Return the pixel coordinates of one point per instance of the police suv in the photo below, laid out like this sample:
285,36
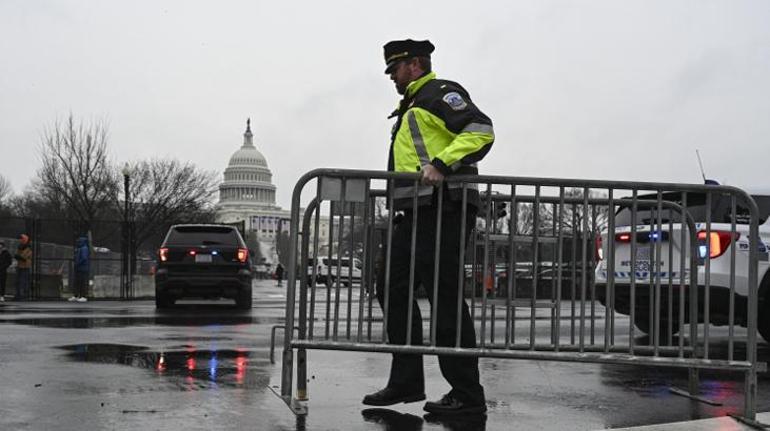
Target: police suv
713,245
203,261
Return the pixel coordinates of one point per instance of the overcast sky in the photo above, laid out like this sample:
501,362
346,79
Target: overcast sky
610,89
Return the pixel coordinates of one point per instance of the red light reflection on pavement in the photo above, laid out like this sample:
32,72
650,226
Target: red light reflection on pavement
161,363
240,368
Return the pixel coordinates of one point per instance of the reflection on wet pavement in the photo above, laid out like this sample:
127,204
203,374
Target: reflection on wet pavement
123,321
392,420
197,368
459,423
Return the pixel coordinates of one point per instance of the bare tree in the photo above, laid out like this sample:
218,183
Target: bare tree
5,189
30,204
575,216
167,191
6,197
75,169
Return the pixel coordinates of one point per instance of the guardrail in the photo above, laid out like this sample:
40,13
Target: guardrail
349,214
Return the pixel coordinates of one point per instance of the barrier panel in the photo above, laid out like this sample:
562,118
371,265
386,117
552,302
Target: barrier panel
609,272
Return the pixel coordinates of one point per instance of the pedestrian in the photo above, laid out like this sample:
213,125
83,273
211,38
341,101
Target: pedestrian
5,263
279,273
23,258
82,270
438,132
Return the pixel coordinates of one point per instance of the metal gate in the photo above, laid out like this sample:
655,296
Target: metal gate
543,270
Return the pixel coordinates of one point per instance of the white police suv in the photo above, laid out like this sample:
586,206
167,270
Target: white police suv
649,267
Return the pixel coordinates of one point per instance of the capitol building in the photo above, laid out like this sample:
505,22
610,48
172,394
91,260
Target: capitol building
247,197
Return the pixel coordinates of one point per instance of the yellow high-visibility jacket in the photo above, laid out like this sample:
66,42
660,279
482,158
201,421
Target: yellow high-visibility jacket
437,124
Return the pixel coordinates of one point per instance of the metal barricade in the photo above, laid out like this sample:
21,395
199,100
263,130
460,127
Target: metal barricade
568,274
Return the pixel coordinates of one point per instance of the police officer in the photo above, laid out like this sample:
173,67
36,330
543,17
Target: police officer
438,132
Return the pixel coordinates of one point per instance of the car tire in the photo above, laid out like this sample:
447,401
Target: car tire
244,301
163,301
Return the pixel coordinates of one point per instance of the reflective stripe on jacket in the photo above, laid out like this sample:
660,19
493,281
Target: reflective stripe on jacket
437,124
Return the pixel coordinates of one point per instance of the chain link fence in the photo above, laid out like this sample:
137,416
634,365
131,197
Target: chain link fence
119,267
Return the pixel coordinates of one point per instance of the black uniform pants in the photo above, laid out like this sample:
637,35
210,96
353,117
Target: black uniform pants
406,371
3,279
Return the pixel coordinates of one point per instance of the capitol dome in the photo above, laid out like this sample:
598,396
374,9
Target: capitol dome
248,182
248,156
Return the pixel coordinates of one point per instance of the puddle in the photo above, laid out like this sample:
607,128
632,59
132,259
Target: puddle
191,368
124,321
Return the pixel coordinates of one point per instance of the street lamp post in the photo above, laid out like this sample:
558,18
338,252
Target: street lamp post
127,279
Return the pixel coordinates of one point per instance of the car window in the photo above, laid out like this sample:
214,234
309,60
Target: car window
721,211
203,235
333,262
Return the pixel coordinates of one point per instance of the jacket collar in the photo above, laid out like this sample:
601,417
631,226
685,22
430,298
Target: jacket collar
415,85
411,90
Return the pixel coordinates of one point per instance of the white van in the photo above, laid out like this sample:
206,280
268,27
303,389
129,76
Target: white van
326,270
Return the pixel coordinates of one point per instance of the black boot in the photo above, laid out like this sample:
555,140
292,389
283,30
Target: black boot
449,405
389,396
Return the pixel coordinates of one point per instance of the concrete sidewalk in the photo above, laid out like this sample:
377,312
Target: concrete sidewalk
724,423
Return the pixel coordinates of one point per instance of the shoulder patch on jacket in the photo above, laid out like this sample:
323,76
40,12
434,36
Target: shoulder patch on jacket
455,101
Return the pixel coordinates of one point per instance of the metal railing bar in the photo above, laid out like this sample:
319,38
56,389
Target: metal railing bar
364,262
611,268
573,279
338,274
314,275
707,289
485,268
563,356
461,270
553,257
535,260
632,316
682,267
594,235
388,252
412,257
731,317
560,255
514,228
658,251
436,268
329,271
670,307
351,265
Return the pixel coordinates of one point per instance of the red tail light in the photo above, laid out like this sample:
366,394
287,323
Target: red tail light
598,253
243,254
718,242
623,237
163,254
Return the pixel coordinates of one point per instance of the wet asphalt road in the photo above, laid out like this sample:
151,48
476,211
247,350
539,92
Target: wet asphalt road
124,365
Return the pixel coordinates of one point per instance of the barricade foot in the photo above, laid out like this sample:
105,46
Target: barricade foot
750,422
296,406
683,393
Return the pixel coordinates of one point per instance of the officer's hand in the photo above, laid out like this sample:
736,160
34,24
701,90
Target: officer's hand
431,176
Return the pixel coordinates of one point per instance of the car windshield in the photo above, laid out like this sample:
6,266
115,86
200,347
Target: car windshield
721,210
202,235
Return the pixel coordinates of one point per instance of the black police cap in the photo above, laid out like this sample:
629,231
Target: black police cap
397,50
